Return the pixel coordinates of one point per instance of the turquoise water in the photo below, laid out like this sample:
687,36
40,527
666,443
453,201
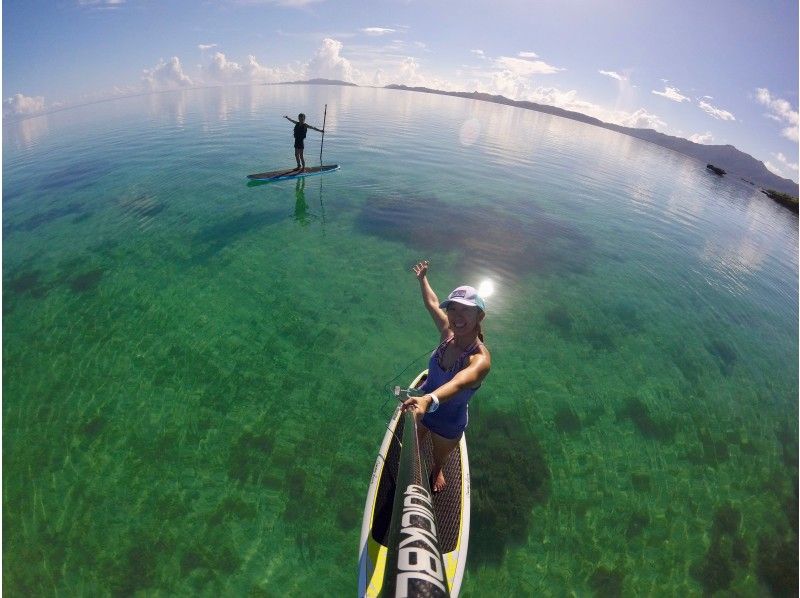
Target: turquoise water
193,368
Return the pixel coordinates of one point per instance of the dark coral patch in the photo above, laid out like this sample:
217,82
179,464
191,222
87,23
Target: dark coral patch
533,242
559,318
628,315
38,220
249,456
510,476
86,281
143,206
725,354
714,572
640,482
777,565
607,582
727,553
211,240
566,420
600,340
636,411
29,282
76,176
636,524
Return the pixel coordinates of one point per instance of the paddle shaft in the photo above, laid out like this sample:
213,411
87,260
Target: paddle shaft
324,116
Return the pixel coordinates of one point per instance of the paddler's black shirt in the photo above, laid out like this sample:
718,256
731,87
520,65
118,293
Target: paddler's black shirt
300,130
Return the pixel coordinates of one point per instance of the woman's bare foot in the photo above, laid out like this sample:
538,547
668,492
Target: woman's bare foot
437,481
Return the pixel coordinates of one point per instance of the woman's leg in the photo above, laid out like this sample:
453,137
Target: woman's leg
442,447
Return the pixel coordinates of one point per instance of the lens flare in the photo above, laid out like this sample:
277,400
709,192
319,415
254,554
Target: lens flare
470,131
486,289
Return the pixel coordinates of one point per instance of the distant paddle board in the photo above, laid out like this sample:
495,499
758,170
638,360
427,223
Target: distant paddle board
294,173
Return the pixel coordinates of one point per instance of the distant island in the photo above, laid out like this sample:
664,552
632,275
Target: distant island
782,198
726,157
723,156
317,82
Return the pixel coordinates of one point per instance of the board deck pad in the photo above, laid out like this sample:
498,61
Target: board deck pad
292,173
446,504
451,510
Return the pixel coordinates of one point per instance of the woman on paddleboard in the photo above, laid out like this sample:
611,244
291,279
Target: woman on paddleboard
300,130
455,370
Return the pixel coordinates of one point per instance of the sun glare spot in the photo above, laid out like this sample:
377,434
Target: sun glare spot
486,289
470,131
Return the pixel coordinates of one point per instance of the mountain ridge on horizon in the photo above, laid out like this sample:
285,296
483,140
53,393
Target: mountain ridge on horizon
727,157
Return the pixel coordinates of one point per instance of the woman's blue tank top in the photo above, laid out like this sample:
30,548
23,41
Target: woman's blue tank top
452,417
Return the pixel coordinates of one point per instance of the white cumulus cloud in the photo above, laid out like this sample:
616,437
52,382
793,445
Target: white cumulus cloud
328,64
223,70
703,138
715,112
166,75
20,105
528,55
642,119
785,161
781,111
261,74
671,93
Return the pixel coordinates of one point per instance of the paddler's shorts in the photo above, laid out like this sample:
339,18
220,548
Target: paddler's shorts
446,424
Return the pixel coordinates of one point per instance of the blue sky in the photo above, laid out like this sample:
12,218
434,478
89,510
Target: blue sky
714,71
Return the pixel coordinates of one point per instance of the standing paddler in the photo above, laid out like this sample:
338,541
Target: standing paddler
300,130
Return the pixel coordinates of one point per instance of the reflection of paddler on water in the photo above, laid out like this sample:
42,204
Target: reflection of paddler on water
300,130
455,371
300,205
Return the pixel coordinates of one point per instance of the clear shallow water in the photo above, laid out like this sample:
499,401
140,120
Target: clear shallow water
193,368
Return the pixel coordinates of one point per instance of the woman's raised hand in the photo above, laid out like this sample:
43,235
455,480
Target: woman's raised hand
420,269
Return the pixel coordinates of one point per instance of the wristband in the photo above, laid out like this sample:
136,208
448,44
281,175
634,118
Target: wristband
434,402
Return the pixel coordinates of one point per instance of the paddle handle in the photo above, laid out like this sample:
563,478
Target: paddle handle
323,134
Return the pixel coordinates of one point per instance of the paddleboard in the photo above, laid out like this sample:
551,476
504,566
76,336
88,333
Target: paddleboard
294,173
451,508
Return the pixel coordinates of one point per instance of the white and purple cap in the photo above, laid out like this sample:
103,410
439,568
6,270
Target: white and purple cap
465,295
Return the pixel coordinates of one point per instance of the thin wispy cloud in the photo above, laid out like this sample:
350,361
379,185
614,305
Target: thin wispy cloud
205,47
613,75
101,4
526,66
715,112
377,31
478,53
672,93
781,111
528,55
286,3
